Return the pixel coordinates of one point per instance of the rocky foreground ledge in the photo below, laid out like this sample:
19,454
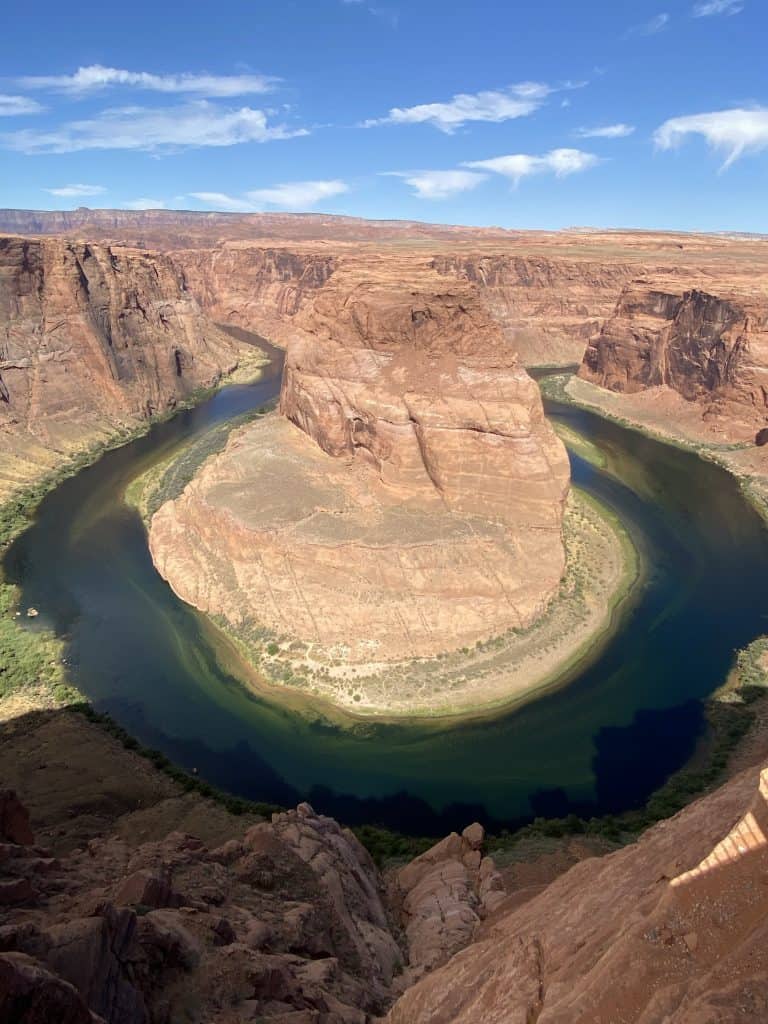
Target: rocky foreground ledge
289,921
119,913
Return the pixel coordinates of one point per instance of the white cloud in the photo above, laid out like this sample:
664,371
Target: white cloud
560,162
298,195
707,8
16,106
294,195
221,201
144,204
732,132
495,106
95,77
608,131
198,123
74,191
649,28
439,184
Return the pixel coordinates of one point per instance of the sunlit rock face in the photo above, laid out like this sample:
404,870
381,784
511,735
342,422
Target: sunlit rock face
671,928
91,337
427,488
710,347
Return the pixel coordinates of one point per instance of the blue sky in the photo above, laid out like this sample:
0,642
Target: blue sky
548,114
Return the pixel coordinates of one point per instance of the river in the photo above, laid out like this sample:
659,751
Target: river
600,744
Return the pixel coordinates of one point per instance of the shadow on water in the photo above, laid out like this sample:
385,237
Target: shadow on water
601,744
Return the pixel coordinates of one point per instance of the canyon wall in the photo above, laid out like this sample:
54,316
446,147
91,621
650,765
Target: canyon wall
260,289
711,347
93,337
548,307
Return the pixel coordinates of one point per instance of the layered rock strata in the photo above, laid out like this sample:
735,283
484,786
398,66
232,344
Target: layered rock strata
711,347
411,504
93,337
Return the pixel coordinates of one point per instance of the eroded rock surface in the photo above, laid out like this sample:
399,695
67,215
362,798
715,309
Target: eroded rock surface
285,922
92,338
417,507
672,928
708,344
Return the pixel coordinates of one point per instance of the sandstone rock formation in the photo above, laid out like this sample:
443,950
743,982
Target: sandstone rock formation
549,308
93,337
289,921
672,928
710,346
285,922
442,897
432,520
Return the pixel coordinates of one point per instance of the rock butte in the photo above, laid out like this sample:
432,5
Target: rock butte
416,509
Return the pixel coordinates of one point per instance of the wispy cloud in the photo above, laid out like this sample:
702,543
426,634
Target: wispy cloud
732,132
292,195
16,106
195,124
560,162
439,184
221,201
298,195
96,77
649,28
608,131
495,106
708,8
144,204
75,191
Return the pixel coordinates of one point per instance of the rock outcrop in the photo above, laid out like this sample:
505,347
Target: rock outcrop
443,895
417,507
93,337
284,922
672,928
548,307
289,921
709,346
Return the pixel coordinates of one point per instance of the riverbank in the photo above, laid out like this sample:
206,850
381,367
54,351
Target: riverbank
340,743
503,671
33,674
649,412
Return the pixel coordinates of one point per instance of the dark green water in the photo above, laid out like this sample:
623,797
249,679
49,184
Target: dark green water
603,743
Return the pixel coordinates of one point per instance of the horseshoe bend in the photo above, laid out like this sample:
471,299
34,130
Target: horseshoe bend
405,503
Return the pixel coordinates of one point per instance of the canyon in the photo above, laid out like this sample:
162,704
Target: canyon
409,435
94,339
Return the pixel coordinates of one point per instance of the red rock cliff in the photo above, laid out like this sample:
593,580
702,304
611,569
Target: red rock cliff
92,337
712,348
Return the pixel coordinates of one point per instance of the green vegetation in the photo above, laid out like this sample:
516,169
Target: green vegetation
33,658
27,655
387,847
167,480
579,444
